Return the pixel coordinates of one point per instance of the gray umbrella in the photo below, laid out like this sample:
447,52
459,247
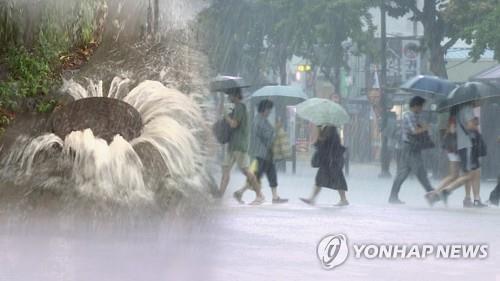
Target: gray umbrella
224,83
469,92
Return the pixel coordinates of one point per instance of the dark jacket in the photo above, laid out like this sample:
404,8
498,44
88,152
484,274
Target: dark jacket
331,150
331,161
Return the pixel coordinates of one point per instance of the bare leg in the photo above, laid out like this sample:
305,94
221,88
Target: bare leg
226,175
252,179
274,191
459,182
468,190
315,193
238,194
312,200
476,184
343,197
453,171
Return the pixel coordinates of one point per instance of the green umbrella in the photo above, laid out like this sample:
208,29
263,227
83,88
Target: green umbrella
322,112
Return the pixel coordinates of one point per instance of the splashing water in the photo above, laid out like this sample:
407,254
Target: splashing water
121,171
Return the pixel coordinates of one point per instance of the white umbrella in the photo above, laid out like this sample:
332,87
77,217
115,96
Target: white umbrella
323,112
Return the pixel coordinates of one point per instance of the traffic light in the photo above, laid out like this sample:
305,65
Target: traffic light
304,68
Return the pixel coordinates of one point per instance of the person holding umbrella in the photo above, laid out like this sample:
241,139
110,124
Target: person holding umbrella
329,155
414,136
450,146
261,145
470,145
470,149
329,158
238,146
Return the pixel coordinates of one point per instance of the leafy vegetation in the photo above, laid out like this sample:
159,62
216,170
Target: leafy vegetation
447,21
322,28
261,35
478,26
36,36
254,38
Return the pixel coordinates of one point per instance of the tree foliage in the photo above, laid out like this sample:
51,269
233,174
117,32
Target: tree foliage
234,32
447,21
477,23
437,28
263,35
333,24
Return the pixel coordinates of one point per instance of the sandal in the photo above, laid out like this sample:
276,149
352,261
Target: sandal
258,201
237,196
307,201
280,201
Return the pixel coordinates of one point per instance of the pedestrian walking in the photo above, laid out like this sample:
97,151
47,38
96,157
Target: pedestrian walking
329,158
449,144
471,147
415,139
390,132
237,147
261,148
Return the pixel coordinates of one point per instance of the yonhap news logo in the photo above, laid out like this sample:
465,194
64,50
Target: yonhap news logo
333,250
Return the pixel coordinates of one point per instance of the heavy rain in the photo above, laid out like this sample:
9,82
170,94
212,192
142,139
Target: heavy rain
249,140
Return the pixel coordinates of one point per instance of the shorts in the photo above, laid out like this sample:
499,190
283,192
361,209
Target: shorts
468,161
453,157
238,157
268,168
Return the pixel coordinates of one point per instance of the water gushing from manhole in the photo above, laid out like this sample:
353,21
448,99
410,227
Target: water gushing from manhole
161,153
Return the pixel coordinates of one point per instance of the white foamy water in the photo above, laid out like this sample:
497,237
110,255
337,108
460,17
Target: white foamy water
172,125
115,168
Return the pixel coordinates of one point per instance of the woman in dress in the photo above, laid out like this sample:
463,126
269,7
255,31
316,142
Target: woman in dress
330,159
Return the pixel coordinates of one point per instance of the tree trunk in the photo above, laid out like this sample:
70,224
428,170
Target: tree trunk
338,61
150,20
434,31
437,62
282,68
336,81
157,16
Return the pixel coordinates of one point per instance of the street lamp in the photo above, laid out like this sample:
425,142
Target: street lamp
384,156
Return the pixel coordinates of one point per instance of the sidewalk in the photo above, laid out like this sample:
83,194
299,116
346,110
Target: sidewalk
363,182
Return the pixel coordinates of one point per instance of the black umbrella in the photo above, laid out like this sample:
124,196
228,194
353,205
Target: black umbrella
426,84
224,83
469,92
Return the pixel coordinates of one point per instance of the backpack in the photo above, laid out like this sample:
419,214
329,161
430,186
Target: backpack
222,131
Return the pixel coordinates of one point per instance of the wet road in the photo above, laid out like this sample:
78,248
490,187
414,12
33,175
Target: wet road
241,242
270,241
